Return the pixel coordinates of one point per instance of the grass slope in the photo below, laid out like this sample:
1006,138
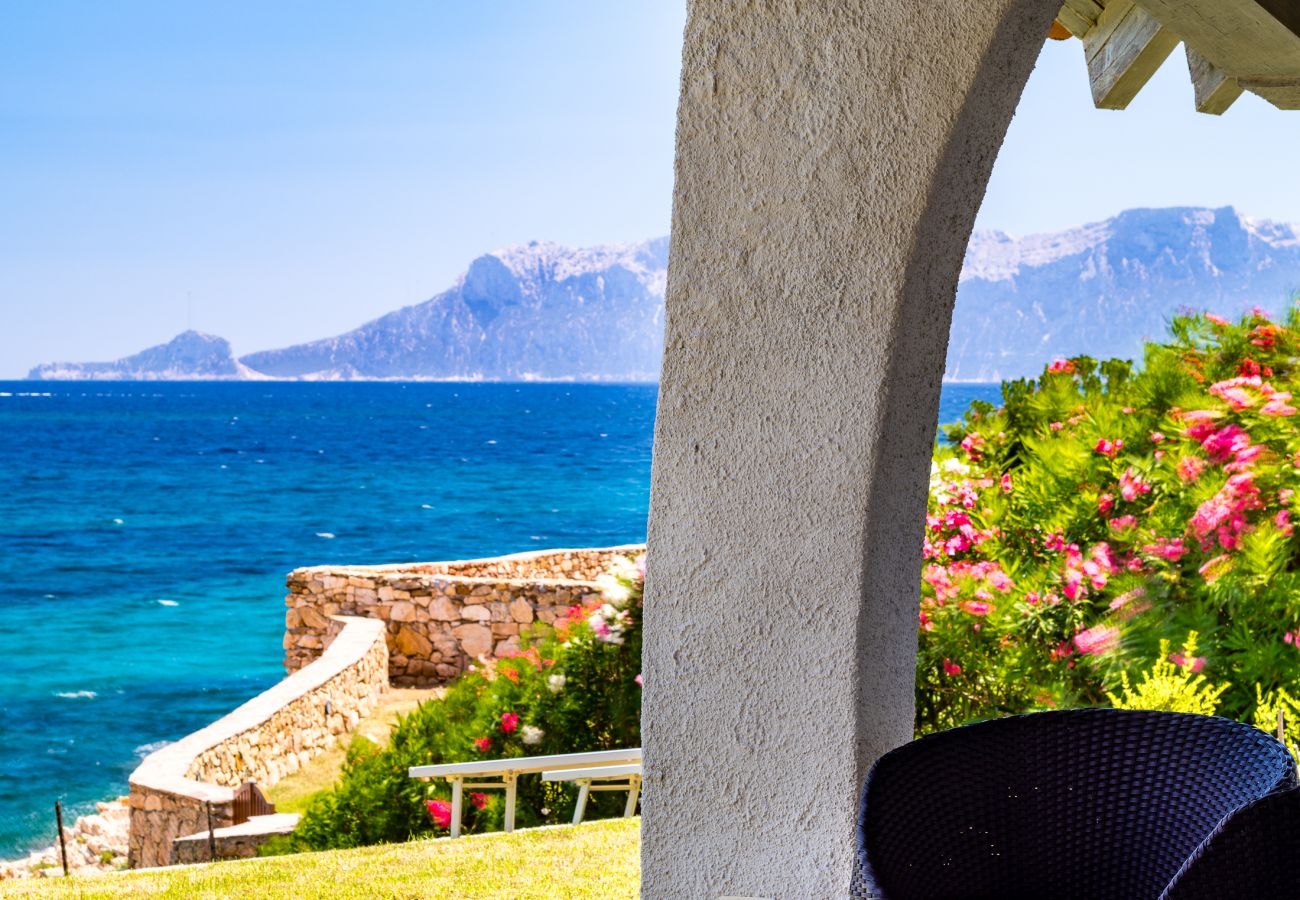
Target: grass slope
594,861
294,792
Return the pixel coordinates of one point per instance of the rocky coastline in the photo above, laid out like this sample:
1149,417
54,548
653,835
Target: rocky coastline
96,843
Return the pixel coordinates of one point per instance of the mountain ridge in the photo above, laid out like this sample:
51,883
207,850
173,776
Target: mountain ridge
542,311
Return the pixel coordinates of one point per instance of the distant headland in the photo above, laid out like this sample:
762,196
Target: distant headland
544,312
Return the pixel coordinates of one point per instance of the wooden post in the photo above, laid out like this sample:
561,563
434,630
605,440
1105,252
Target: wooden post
510,801
580,808
633,791
63,844
457,805
212,838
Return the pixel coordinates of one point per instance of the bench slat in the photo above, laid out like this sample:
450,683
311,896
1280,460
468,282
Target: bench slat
529,764
595,772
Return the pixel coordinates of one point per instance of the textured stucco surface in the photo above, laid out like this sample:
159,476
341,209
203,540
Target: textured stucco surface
831,157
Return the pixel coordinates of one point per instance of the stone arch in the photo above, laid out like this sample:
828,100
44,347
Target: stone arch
831,159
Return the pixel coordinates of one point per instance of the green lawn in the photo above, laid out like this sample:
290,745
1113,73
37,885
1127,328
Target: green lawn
594,861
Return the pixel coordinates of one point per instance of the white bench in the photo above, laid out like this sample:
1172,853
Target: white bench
585,779
508,771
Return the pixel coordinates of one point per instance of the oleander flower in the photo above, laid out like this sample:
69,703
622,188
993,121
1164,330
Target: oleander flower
509,722
555,683
531,735
440,812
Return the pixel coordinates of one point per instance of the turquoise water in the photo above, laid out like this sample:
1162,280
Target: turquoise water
147,528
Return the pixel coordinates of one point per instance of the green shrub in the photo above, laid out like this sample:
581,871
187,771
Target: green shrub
1100,513
1171,686
573,688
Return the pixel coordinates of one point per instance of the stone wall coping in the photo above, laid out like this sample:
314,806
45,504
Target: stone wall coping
412,569
275,823
166,769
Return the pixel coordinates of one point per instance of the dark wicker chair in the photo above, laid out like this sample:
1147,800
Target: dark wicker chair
1087,804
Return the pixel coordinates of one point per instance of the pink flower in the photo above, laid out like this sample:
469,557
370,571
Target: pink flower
1190,468
1289,638
1224,514
483,744
926,624
1123,523
1283,521
1131,485
972,444
638,679
1108,448
1056,426
1264,336
440,812
1181,661
1170,549
1217,320
1006,484
1225,443
977,607
1156,437
509,722
478,800
1097,640
951,668
1278,406
1233,391
1105,503
1215,568
1061,366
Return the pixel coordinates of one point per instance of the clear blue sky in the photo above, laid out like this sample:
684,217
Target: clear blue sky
276,172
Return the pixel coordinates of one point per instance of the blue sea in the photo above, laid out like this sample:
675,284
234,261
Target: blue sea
147,528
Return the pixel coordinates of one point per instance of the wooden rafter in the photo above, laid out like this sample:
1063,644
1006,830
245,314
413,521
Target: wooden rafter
1255,43
1215,91
1079,16
1124,49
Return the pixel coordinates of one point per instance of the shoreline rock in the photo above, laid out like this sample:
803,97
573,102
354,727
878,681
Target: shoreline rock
97,843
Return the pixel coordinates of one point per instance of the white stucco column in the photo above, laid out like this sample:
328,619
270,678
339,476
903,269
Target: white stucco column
831,157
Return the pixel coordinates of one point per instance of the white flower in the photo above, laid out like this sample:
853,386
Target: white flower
614,590
955,466
624,569
607,623
555,683
531,734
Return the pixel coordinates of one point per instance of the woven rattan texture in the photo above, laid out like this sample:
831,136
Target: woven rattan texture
1094,804
1254,853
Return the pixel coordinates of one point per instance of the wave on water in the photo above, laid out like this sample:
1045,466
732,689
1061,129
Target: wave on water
145,749
327,535
76,695
168,603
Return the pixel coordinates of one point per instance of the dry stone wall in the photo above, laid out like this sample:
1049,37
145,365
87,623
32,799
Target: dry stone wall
440,617
267,738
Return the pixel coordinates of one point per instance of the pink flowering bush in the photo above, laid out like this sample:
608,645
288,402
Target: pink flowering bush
572,688
1100,511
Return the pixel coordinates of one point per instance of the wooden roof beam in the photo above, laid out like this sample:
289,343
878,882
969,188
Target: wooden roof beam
1215,91
1123,51
1079,16
1254,42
